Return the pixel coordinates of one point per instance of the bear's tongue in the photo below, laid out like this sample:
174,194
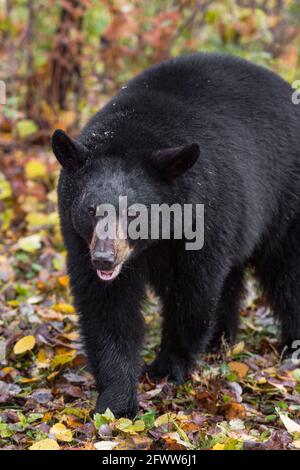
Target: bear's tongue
109,275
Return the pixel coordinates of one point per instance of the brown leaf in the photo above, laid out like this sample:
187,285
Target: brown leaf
235,410
239,368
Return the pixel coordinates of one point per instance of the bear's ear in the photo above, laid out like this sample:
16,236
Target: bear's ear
172,162
70,153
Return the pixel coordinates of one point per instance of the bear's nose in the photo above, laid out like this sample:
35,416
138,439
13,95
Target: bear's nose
103,260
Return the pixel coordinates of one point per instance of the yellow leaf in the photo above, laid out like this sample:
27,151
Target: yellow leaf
64,308
26,127
45,444
26,380
296,444
47,417
73,336
39,219
126,425
5,188
239,368
13,303
35,219
52,375
42,360
24,344
262,380
65,120
35,169
237,349
61,433
165,419
218,447
7,371
123,423
61,359
30,244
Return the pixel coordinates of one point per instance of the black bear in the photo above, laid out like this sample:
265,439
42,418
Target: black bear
201,129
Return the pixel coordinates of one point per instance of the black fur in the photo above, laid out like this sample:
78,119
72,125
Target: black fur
247,176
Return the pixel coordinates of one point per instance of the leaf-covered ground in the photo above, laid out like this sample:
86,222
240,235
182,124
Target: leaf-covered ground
244,398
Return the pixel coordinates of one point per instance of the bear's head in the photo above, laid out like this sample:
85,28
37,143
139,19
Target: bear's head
113,197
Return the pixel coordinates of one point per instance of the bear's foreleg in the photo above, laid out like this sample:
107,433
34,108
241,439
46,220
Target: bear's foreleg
112,328
189,318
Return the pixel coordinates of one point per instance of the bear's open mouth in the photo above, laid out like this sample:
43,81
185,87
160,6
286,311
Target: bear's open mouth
109,275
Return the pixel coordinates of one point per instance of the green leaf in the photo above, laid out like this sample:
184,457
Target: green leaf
148,419
100,419
26,127
5,431
5,188
34,417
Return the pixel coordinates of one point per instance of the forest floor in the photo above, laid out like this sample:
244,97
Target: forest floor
246,397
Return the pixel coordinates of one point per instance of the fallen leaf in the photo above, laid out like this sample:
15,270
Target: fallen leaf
73,422
73,336
64,308
61,359
290,425
42,396
35,169
239,368
63,281
45,444
24,344
173,437
39,219
28,380
26,127
237,349
61,433
2,350
236,424
72,390
5,188
218,446
104,418
296,444
165,419
31,243
126,425
105,445
6,270
235,410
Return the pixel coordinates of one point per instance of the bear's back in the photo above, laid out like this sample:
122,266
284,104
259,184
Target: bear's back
203,89
204,76
231,107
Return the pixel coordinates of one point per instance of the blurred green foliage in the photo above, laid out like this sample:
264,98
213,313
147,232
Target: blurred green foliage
61,59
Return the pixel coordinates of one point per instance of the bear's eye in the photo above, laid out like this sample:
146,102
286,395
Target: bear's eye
92,211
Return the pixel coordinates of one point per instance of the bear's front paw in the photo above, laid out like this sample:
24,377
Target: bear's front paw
120,405
174,368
